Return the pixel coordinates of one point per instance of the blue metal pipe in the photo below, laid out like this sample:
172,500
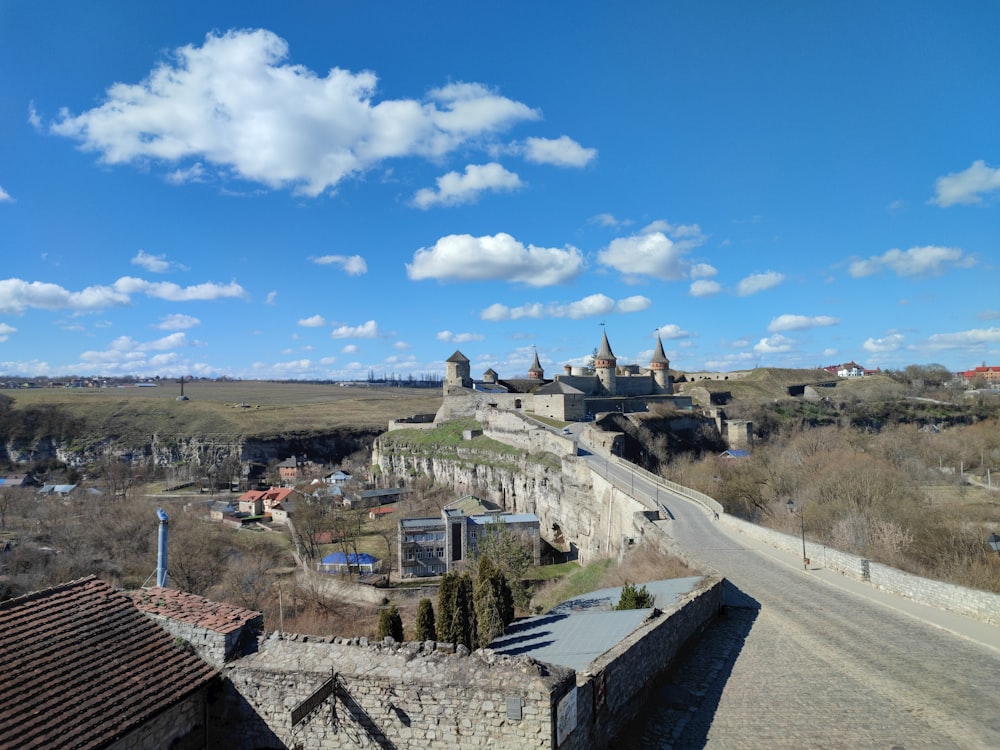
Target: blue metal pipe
161,558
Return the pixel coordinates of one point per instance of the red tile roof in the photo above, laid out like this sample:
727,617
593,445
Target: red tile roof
82,667
193,609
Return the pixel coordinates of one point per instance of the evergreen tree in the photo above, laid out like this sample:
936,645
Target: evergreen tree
425,621
491,594
446,608
465,612
390,624
510,556
634,598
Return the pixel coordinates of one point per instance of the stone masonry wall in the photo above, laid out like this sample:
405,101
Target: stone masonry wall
514,429
345,694
181,727
210,645
612,692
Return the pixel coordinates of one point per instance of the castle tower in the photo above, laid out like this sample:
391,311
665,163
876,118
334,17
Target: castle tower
605,363
660,367
535,372
458,372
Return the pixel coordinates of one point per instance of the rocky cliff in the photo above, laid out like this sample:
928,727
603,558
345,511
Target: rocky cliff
329,447
575,508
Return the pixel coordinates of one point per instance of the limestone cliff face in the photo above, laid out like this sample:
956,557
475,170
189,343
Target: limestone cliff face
571,506
173,451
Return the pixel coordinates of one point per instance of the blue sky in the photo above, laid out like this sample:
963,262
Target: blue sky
320,190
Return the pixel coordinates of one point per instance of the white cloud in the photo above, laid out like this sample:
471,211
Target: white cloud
561,152
608,220
704,288
350,349
971,339
367,330
889,343
800,322
235,103
315,321
17,295
194,173
589,306
458,338
498,312
6,331
178,322
659,250
967,186
454,189
328,360
776,344
154,263
702,271
672,331
400,345
592,304
174,293
5,196
462,257
989,315
929,260
271,298
636,303
758,282
126,355
352,265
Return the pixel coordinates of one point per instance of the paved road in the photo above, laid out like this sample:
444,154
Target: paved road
800,663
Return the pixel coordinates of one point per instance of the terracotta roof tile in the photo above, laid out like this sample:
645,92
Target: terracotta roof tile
193,609
84,646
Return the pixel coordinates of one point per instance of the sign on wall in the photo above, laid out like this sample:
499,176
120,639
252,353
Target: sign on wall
566,716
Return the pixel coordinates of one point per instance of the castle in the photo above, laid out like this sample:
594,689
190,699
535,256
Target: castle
572,396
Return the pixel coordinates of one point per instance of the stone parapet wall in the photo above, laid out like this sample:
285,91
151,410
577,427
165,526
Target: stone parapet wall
519,431
612,692
347,694
980,605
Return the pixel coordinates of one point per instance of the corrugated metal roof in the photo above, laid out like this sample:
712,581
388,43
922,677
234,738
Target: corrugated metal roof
578,631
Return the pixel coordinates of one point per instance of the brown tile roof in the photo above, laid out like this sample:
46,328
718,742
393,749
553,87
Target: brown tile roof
193,609
82,667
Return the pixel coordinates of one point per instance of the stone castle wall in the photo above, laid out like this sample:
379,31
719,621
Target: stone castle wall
347,694
334,693
515,429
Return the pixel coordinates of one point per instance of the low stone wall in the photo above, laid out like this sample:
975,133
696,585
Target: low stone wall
344,693
980,605
612,692
513,428
347,694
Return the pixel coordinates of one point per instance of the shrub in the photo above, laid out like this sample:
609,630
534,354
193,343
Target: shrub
634,598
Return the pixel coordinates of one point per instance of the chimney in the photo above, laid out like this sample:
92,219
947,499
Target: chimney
161,558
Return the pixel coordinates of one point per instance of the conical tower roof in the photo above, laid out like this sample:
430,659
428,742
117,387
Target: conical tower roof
457,357
659,358
536,366
605,351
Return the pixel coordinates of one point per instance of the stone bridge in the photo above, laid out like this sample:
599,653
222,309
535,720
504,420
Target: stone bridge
810,658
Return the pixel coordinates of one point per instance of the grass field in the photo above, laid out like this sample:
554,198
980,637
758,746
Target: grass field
254,408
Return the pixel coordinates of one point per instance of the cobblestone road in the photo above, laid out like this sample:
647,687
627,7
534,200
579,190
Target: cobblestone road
798,663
